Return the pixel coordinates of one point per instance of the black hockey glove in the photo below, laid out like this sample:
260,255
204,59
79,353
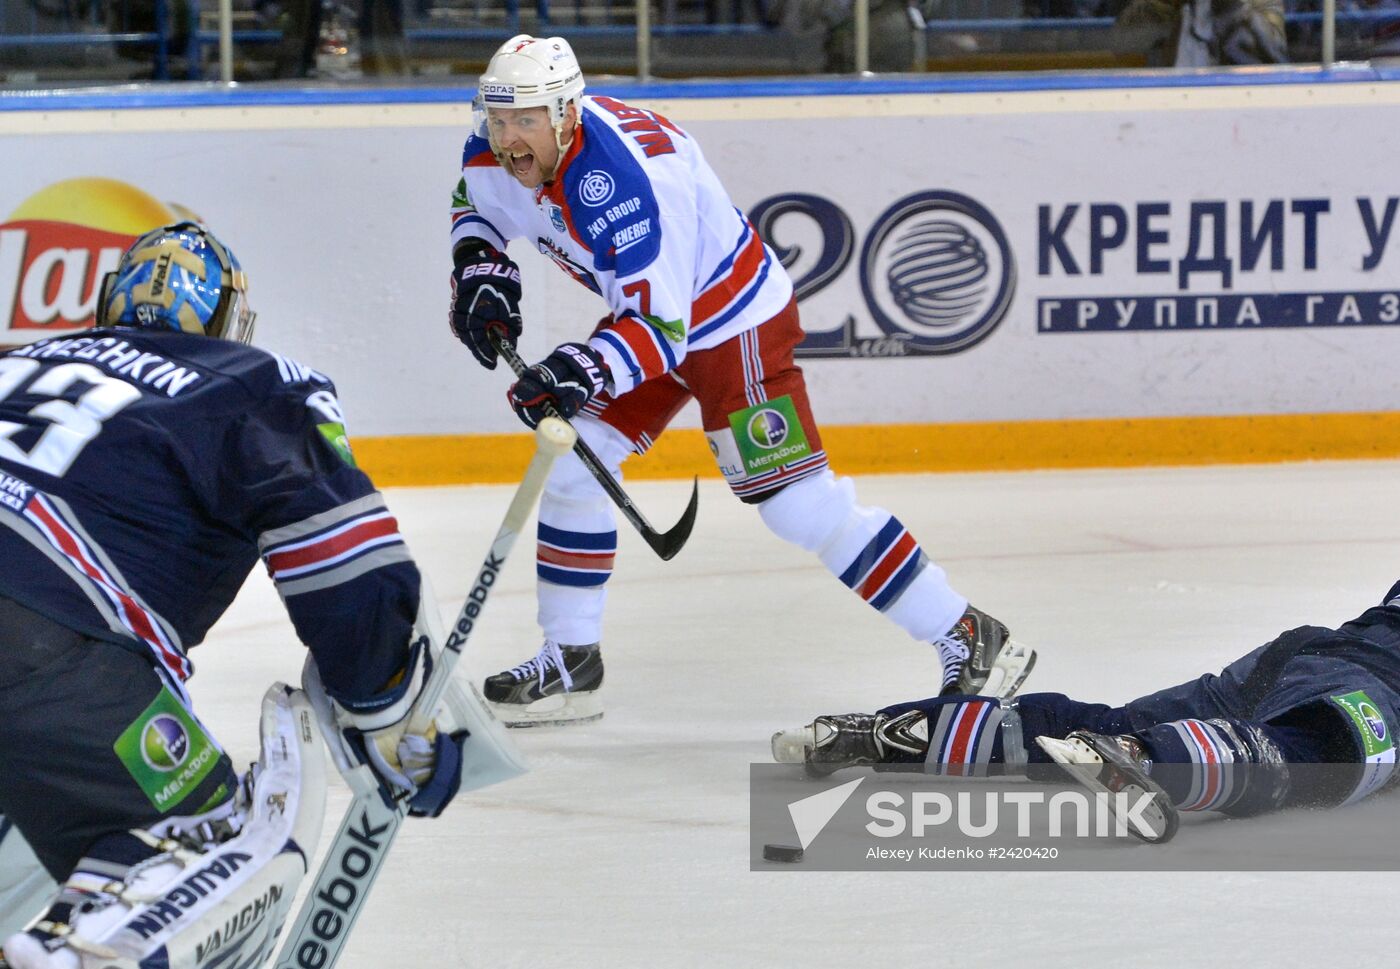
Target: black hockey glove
485,295
568,378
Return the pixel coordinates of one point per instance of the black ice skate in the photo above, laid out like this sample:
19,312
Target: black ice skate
980,658
560,685
1117,766
841,740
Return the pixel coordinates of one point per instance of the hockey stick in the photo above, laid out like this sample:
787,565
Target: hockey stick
357,853
664,544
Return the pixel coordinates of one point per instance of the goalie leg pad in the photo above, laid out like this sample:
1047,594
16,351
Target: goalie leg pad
222,902
24,885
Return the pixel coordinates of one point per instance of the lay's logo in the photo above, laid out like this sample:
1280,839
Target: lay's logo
56,246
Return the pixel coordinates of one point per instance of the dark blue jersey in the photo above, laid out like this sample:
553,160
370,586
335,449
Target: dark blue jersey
143,473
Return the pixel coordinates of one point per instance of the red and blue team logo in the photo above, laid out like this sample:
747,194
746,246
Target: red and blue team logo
164,743
556,216
768,428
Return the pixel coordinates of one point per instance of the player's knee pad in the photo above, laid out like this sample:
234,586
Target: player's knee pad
196,901
808,512
24,885
817,513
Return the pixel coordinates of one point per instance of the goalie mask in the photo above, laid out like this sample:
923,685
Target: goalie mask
529,72
178,277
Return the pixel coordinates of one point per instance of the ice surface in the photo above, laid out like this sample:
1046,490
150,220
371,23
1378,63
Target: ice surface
628,843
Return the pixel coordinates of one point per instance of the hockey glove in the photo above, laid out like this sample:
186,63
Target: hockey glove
485,296
425,768
567,379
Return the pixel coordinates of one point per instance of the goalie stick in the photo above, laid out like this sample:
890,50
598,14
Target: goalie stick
664,544
353,861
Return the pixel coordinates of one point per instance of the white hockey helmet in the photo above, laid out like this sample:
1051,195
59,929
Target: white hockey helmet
532,72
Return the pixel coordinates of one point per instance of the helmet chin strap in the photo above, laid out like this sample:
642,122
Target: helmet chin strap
563,147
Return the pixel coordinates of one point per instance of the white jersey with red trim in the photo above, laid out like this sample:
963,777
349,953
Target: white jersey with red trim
637,215
143,474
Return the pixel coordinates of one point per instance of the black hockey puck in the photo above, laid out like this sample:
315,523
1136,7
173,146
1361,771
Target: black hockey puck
782,853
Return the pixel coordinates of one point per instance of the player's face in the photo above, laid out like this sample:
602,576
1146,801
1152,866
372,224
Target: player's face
524,139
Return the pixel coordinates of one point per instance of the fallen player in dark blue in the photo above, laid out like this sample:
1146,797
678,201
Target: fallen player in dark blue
1315,696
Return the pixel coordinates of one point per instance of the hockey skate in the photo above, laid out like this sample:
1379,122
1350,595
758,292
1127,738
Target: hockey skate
560,685
1117,766
831,743
981,659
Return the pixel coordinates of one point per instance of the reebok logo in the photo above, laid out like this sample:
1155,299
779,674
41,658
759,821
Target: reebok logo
481,590
336,899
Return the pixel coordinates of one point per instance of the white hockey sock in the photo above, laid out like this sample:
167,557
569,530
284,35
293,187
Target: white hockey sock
577,540
869,551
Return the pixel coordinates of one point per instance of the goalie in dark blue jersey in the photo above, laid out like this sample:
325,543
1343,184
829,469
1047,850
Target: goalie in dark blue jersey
145,468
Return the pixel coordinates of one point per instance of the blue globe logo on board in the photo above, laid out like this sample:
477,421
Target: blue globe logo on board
164,743
1373,720
768,428
937,271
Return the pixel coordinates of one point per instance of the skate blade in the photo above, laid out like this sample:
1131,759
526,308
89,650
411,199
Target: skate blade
1159,820
1009,670
551,711
791,746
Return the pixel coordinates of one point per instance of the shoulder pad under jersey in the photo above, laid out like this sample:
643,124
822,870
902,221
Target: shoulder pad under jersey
477,153
613,202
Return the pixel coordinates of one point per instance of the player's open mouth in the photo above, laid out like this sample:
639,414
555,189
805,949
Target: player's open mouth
521,164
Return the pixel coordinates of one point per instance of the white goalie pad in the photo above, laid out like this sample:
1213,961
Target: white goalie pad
220,906
24,885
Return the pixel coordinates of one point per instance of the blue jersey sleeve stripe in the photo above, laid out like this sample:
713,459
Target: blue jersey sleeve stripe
739,304
728,260
624,350
463,221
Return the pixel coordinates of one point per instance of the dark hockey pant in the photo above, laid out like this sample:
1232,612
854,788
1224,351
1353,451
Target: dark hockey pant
92,743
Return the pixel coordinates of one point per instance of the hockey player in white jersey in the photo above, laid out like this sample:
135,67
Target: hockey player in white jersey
623,201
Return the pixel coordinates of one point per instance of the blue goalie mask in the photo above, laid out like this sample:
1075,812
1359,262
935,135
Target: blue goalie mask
178,277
